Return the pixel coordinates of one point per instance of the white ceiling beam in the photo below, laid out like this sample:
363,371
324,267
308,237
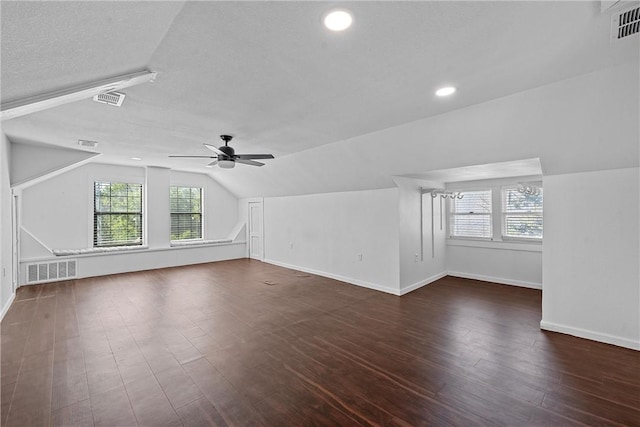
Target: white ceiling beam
21,107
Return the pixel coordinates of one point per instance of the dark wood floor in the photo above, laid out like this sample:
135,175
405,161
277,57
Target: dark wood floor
246,343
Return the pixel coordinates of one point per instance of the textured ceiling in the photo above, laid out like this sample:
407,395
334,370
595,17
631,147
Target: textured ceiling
270,74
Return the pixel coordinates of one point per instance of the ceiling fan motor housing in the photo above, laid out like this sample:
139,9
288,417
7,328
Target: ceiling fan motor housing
229,151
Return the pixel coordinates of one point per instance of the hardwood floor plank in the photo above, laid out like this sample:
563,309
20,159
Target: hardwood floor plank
112,408
213,344
150,405
178,386
78,414
200,413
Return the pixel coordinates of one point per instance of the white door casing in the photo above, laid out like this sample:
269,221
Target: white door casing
256,232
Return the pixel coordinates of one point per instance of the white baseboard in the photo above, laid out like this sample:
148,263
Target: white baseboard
500,280
590,335
7,305
350,280
422,283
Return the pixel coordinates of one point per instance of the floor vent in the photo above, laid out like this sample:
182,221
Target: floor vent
51,271
625,23
112,98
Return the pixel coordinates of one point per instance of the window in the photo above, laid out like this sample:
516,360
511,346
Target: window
186,213
471,215
117,214
522,212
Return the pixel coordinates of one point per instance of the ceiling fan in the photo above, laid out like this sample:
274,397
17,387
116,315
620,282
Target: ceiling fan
226,157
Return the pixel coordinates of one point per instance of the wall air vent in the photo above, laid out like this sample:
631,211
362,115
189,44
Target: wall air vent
51,271
625,23
112,98
89,144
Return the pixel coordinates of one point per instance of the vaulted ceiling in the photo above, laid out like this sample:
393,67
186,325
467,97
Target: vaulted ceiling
273,76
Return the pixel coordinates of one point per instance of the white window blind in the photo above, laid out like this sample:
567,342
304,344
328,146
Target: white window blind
186,213
117,214
521,214
471,215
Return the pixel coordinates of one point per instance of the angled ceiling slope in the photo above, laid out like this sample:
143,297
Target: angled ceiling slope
31,162
269,73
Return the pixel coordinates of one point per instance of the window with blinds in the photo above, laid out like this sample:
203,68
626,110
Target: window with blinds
186,213
471,215
521,214
117,214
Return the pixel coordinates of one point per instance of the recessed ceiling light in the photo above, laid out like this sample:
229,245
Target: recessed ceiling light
136,158
338,20
446,91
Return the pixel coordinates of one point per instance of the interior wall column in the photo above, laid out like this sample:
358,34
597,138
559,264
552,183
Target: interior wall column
157,213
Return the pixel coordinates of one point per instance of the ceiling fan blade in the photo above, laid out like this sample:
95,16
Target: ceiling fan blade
215,162
249,162
254,156
198,157
213,148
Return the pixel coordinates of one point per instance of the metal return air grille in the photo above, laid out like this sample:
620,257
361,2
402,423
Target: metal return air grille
112,98
51,271
625,23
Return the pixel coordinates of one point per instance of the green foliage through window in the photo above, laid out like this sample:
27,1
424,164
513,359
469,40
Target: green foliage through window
186,213
117,214
522,214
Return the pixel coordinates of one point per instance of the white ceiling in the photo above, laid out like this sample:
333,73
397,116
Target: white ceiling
270,74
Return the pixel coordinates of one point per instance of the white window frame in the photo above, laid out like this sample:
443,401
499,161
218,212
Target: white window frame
202,213
497,217
452,214
503,218
142,214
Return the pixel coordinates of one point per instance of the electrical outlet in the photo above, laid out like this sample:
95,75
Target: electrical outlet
416,258
359,257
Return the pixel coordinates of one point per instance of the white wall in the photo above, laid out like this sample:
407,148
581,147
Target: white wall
156,196
420,262
58,214
6,259
508,263
591,278
324,233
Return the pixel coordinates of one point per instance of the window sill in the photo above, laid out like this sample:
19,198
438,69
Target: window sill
497,244
109,249
182,243
92,252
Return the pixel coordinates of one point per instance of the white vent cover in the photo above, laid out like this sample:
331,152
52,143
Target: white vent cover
85,143
112,98
625,23
52,271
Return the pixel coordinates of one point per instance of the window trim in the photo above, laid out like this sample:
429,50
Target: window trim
450,208
497,214
94,215
503,217
202,214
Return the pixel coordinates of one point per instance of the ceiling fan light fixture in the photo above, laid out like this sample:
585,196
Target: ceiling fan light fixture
337,20
226,164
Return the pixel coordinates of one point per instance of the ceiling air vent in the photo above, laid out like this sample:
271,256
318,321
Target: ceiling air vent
625,23
111,98
85,143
